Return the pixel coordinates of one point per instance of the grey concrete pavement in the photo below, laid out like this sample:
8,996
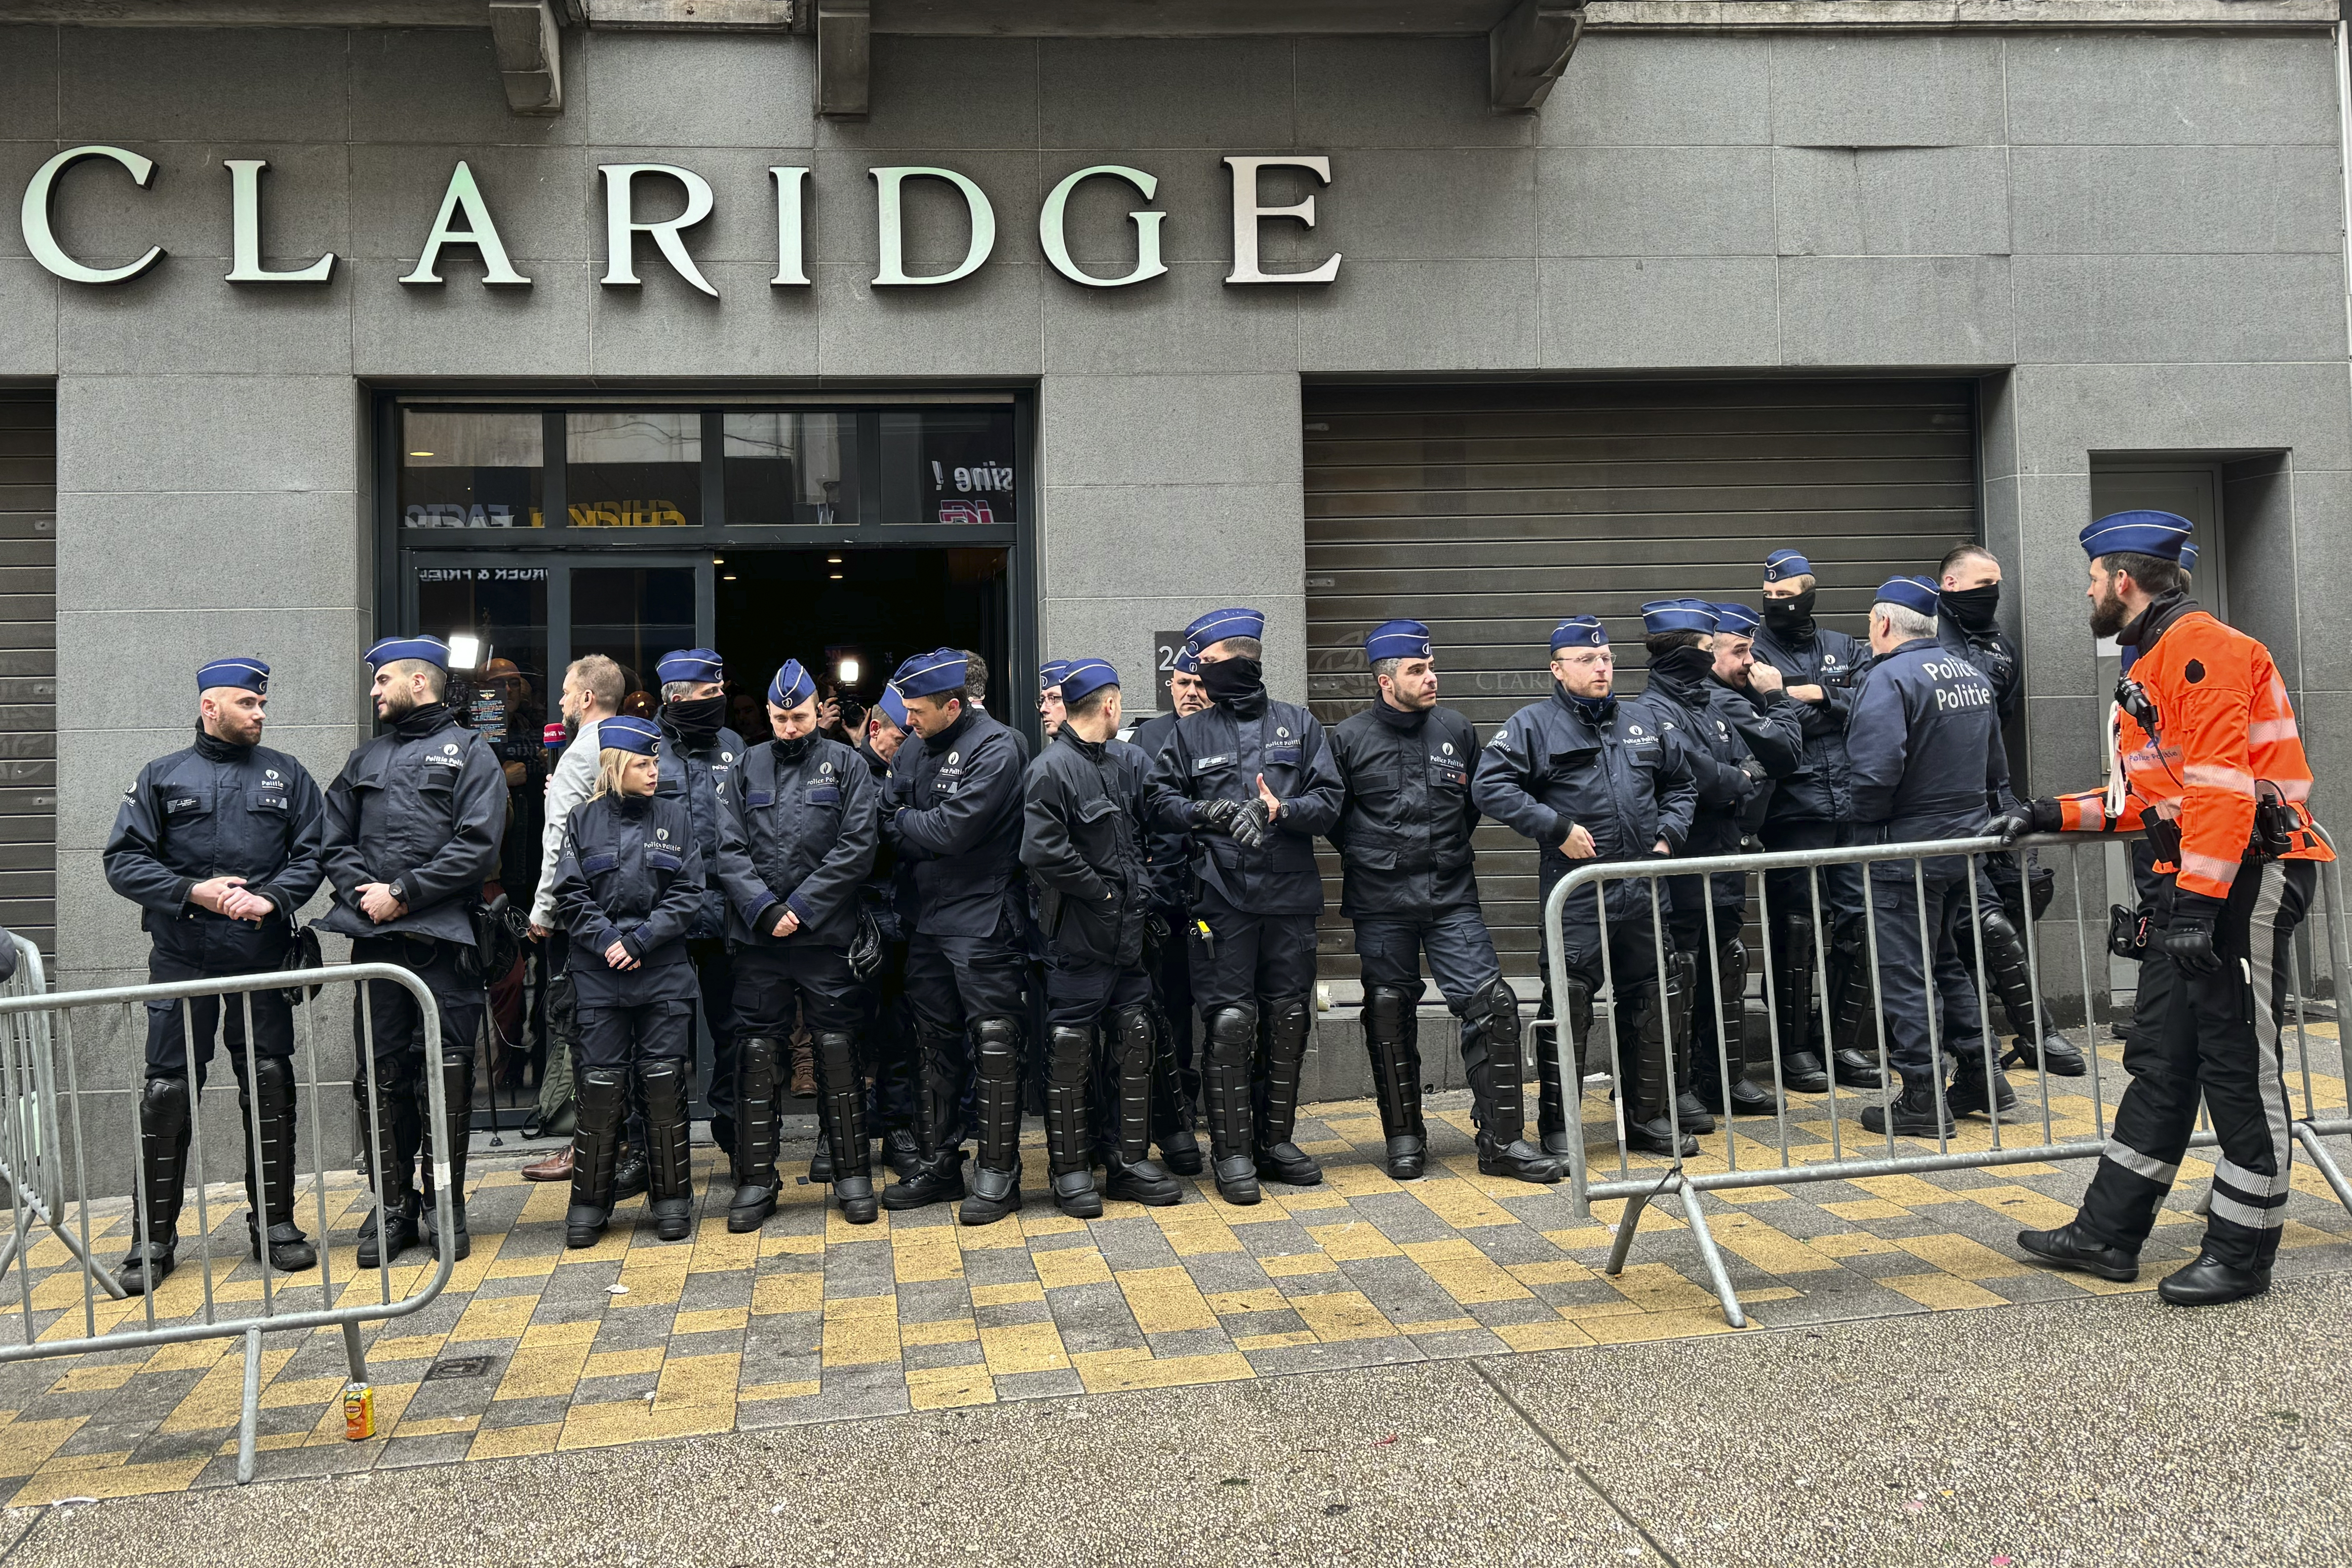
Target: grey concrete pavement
2081,1432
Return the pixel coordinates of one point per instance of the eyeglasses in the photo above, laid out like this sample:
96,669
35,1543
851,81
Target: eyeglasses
1585,659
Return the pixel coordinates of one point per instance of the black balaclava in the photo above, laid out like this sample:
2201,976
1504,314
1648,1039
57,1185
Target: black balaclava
1236,683
1973,608
696,719
1792,617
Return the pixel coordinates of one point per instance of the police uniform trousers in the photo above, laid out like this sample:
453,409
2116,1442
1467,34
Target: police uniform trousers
774,984
1078,995
887,1043
1460,949
167,1022
1248,957
1907,973
1633,937
1172,974
1789,912
399,1064
715,977
1719,991
954,983
2220,1038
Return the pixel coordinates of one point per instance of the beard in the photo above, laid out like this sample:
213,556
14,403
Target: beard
397,703
2109,614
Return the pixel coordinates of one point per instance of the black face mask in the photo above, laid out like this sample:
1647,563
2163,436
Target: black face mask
1790,615
1974,609
696,719
1233,680
1685,664
794,750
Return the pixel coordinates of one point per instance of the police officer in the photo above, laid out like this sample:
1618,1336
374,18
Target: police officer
1723,735
1083,842
1049,694
890,1065
413,827
699,757
1812,808
1251,779
627,887
1966,608
2208,758
1175,1071
1921,743
956,821
220,844
794,856
1590,778
1409,884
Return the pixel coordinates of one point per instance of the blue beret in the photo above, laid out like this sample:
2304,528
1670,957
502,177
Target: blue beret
625,734
1737,619
691,663
1218,625
2157,533
893,705
1050,673
249,673
1188,659
1915,594
1677,616
391,650
928,674
1580,631
1084,676
1786,564
792,686
1397,639
2188,556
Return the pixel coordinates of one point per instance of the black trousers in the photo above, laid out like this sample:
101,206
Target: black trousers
2220,1038
392,1012
1078,995
714,974
625,1035
1912,979
772,985
167,1022
1171,978
954,982
889,1042
1247,958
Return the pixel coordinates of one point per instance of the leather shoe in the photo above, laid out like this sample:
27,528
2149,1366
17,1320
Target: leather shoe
1694,1115
2056,1056
856,1195
1180,1152
803,1070
1744,1098
1967,1096
940,1182
556,1167
1075,1195
1802,1072
1406,1156
2208,1281
992,1196
901,1153
382,1242
1237,1177
1142,1182
2067,1247
1289,1162
1918,1112
1855,1070
1520,1160
629,1175
1657,1137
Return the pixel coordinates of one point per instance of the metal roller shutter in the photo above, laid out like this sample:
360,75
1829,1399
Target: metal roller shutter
1494,511
29,666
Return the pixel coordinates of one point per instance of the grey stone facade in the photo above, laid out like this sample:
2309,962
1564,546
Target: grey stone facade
2135,238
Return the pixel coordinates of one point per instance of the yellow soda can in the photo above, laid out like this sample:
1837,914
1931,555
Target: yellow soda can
359,1411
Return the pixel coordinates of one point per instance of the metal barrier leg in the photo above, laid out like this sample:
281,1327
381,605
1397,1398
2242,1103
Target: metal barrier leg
1625,1224
354,1353
1695,1215
248,1426
2308,1136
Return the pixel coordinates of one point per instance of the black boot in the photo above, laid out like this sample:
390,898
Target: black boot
1231,1036
1650,1085
456,1131
2210,1281
2009,974
1552,1097
1172,1108
841,1121
670,1167
995,1190
1129,1071
1918,1112
1853,1037
1695,1117
1069,1061
820,1162
1490,1060
902,1151
1727,1014
1802,1071
600,1100
162,1166
938,1176
2068,1247
1391,1030
758,1114
390,1228
1282,1039
269,1166
1971,1092
631,1174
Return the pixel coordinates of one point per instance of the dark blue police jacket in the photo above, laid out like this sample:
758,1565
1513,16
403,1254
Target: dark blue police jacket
632,873
1923,747
1818,790
1218,753
1082,840
1405,822
801,830
422,807
698,776
218,810
1171,851
889,891
958,824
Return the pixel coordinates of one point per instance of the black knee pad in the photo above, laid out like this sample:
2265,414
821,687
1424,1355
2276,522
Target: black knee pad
996,1047
1232,1033
1285,1024
1495,1007
273,1082
1385,1010
163,1106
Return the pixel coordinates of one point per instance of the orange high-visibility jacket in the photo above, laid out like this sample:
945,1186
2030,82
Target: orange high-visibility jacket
2225,731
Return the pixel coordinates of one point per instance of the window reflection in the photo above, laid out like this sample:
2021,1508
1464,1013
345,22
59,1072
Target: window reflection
787,468
470,468
633,469
949,465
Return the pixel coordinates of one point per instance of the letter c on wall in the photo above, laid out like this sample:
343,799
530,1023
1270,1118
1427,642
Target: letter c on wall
1050,234
41,239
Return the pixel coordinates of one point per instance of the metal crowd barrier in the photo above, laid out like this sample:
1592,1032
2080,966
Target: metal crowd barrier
45,1140
1640,1179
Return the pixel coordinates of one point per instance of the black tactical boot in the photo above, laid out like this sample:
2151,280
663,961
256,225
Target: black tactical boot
2210,1281
1649,1125
757,1121
1729,1015
390,1228
2068,1247
1391,1039
902,1151
1225,1079
1129,1068
1282,1039
1970,1094
163,1161
595,1152
1918,1112
1853,1037
1802,1071
995,1187
1683,994
1172,1108
1490,1060
1553,1098
1069,1061
631,1173
456,1131
269,1166
841,1124
669,1161
938,1176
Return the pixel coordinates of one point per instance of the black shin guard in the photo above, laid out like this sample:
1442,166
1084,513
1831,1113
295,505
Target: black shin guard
601,1098
759,1084
1491,1062
163,1167
669,1173
995,1188
1231,1037
1069,1144
1554,1096
1391,1024
268,1102
448,1147
841,1112
1282,1046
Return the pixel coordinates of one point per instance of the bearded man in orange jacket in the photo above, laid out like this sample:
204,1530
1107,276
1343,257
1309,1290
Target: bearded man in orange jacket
2206,758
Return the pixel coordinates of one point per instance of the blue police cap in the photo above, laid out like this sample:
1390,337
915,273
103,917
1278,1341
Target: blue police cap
626,735
893,705
691,663
1784,563
1218,625
2188,556
1914,593
1086,676
248,673
1188,660
1580,631
1397,639
1736,619
2157,534
391,650
1050,673
928,674
792,686
1677,616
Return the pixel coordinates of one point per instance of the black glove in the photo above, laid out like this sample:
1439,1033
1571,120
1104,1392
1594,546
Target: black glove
2039,815
1216,815
2187,938
1250,824
1156,930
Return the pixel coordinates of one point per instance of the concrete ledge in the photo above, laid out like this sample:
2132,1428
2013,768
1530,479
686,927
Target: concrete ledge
1899,16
